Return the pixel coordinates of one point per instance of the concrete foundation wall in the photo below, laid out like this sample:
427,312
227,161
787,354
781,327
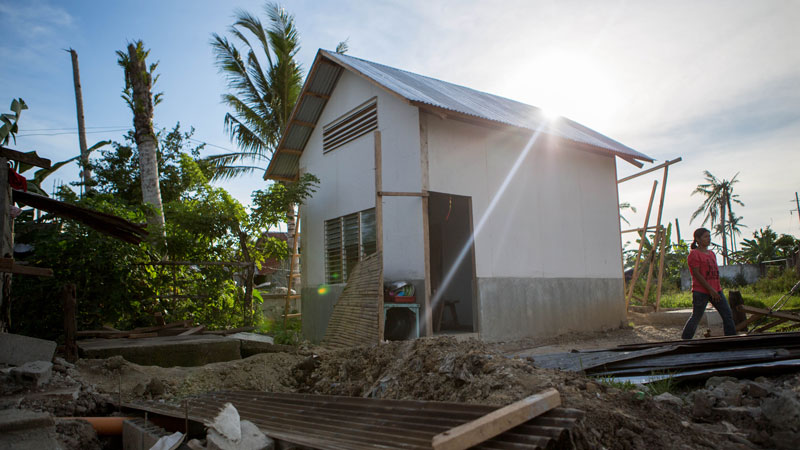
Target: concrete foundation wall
750,272
536,307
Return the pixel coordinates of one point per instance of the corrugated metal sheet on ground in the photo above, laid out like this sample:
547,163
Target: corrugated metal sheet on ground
682,359
333,422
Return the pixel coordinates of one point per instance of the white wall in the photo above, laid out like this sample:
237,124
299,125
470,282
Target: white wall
558,217
347,177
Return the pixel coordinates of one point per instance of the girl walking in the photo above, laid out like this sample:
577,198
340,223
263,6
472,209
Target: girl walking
705,286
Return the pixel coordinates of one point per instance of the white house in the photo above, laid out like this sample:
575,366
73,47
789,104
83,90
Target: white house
475,199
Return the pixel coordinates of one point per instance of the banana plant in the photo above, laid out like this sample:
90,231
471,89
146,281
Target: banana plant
35,183
9,128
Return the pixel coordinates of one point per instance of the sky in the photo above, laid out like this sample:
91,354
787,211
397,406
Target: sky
716,83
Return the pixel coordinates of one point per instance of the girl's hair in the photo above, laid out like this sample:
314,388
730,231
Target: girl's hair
697,234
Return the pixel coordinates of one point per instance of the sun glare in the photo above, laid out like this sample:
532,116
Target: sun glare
573,85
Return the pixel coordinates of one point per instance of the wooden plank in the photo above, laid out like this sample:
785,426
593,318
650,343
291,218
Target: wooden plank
641,244
141,335
768,313
230,331
769,325
652,169
8,265
497,422
304,124
289,316
651,256
27,158
316,94
291,151
402,194
194,330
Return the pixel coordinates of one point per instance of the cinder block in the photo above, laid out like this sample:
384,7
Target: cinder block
36,373
138,435
16,350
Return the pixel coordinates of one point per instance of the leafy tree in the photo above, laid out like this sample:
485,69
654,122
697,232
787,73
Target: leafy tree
762,247
138,95
263,95
717,205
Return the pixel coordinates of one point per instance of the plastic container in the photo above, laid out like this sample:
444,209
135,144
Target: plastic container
403,299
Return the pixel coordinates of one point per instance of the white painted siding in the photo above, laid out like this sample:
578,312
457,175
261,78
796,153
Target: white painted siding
558,216
347,176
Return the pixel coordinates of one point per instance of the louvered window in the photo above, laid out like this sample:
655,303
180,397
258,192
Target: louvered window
350,126
348,240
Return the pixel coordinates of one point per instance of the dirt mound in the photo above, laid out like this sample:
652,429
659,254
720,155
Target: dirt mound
115,376
444,369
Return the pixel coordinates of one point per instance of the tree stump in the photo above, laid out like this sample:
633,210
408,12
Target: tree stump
736,300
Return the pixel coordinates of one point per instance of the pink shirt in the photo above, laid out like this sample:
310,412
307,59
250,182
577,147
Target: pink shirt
706,265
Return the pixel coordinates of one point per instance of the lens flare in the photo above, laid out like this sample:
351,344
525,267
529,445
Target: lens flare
323,289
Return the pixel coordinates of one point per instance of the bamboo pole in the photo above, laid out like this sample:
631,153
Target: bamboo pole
652,169
660,271
657,238
641,243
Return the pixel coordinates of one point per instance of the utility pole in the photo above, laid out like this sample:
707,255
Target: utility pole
86,174
797,201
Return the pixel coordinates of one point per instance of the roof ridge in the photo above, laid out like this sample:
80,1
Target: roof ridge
414,74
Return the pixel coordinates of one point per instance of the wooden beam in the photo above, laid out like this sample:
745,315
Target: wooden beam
638,229
402,194
290,151
497,422
652,169
27,158
768,313
194,330
427,316
378,160
303,123
641,244
660,270
281,178
318,95
651,256
7,265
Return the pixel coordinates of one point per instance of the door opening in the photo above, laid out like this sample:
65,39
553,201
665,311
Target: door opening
449,231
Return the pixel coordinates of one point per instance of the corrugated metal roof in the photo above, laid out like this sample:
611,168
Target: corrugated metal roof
422,90
441,94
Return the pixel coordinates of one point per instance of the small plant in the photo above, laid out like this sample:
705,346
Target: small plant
662,385
621,385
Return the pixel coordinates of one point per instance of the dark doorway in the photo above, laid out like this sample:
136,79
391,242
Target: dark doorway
449,232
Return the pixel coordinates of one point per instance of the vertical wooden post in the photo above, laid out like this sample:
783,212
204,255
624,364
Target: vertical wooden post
86,172
6,245
426,238
247,302
677,231
379,226
651,256
661,270
641,243
69,305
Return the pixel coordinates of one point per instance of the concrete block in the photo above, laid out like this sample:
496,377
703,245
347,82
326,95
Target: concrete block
35,374
23,419
136,434
27,430
165,351
16,350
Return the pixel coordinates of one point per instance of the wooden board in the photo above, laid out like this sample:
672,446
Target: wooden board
497,422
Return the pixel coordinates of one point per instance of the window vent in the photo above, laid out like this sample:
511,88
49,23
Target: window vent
348,240
351,126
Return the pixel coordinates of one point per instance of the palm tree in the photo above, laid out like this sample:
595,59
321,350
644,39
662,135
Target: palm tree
139,82
263,95
623,206
717,205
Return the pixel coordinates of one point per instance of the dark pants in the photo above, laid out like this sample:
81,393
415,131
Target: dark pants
699,302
